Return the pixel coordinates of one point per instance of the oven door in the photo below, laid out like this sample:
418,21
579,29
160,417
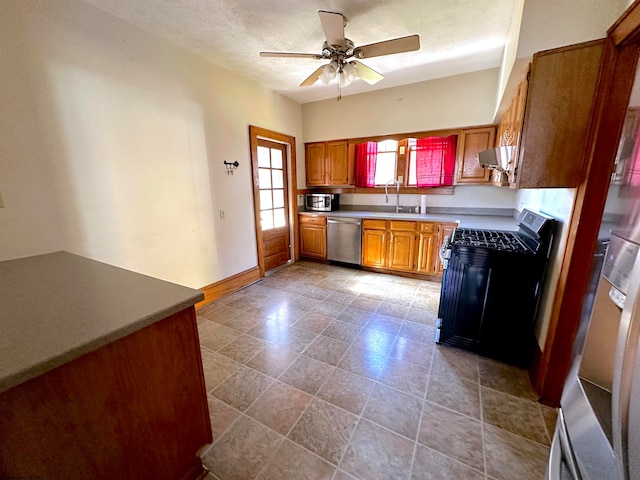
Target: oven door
562,464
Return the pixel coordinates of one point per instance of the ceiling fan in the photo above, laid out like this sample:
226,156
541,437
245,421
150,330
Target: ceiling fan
341,53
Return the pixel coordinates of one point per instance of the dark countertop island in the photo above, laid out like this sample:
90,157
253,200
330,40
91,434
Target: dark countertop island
100,372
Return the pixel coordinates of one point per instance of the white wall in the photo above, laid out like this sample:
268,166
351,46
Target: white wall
558,203
464,196
460,101
553,23
113,141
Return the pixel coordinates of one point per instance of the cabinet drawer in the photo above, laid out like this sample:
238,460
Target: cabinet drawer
313,219
426,227
402,225
377,224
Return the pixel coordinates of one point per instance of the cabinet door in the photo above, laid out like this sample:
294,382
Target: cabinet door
337,163
557,116
444,230
427,233
402,250
315,163
313,241
374,243
471,142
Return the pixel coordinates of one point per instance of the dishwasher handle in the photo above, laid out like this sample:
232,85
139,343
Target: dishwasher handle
348,220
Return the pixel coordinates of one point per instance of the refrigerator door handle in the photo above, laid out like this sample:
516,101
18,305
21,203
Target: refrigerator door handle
561,459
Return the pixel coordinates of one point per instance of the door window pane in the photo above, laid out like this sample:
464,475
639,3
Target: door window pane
266,219
278,218
264,178
276,158
278,181
278,198
264,158
265,200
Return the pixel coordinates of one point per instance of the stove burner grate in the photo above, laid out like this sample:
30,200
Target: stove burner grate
493,239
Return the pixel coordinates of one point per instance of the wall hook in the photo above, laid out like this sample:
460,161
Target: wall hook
230,166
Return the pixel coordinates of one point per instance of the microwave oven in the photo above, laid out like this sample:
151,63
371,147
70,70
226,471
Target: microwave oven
321,202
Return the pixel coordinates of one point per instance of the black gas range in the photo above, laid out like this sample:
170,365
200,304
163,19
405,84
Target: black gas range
491,288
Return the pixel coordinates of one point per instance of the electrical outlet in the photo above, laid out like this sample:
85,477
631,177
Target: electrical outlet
1,201
221,214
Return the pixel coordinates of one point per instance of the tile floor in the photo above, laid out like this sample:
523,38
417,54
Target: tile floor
324,372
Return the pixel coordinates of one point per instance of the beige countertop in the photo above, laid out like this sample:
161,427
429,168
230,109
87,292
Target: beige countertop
59,306
493,222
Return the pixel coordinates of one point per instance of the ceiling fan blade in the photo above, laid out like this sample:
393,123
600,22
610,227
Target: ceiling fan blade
313,78
333,25
291,55
367,74
388,47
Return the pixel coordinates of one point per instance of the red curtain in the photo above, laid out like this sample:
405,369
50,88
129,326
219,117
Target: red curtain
366,154
435,161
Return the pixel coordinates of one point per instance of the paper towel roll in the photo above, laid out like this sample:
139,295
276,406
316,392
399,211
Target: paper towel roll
423,204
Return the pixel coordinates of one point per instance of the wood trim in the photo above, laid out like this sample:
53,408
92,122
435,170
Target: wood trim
378,190
229,285
254,134
625,30
616,78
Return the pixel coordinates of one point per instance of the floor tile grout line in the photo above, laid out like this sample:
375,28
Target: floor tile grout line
387,357
424,401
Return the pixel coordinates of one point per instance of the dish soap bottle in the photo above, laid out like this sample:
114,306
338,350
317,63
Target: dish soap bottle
417,207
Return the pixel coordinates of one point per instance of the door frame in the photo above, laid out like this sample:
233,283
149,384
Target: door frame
292,183
617,73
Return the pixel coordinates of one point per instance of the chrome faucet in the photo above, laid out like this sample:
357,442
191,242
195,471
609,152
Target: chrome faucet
386,192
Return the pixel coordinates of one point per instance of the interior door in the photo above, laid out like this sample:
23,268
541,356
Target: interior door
272,203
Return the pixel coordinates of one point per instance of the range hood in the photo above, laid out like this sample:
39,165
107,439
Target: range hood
496,158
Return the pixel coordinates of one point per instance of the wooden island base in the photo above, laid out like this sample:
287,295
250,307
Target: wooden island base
133,409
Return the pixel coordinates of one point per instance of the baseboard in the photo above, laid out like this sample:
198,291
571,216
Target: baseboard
229,285
534,370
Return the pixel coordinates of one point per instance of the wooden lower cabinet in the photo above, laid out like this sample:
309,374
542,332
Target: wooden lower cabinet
444,230
313,236
403,246
427,253
374,243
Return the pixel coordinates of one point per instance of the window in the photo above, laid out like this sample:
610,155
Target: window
271,183
431,161
386,162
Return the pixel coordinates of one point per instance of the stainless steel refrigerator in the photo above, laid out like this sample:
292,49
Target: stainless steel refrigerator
598,430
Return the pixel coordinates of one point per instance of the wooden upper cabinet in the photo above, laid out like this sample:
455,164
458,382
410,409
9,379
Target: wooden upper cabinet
470,143
557,117
315,163
327,163
337,163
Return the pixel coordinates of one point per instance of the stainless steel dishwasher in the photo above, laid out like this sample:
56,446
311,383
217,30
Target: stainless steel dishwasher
344,239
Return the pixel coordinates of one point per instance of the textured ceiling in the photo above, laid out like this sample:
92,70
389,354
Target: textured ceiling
456,36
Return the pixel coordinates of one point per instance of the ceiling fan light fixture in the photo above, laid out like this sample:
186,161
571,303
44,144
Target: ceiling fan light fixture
348,73
329,72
